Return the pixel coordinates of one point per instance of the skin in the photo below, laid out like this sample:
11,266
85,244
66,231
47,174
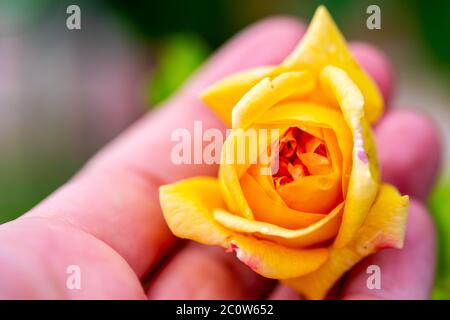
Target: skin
107,219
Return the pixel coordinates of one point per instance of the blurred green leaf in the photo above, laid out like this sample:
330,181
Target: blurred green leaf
440,208
179,56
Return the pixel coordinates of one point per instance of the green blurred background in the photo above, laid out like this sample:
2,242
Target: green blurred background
64,94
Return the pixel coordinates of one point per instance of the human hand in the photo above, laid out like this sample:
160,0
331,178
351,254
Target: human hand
107,219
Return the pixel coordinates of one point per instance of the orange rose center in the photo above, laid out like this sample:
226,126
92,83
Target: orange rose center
300,154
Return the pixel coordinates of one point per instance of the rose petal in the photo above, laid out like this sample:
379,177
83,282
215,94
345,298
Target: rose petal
274,261
265,181
267,93
319,193
315,193
335,156
297,171
384,227
288,144
305,114
315,163
316,233
322,45
268,210
240,150
311,143
222,96
364,178
188,207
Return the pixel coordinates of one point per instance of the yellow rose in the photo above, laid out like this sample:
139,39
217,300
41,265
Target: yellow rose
324,208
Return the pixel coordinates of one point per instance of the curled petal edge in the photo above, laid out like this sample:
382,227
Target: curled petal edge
364,177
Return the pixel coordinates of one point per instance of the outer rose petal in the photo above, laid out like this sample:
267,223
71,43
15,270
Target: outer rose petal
188,207
316,233
364,178
222,96
322,45
275,261
267,93
384,227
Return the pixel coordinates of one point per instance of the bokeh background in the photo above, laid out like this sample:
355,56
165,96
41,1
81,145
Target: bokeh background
65,93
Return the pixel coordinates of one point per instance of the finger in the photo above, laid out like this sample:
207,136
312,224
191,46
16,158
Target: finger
43,259
281,292
377,65
207,273
406,273
409,151
115,198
